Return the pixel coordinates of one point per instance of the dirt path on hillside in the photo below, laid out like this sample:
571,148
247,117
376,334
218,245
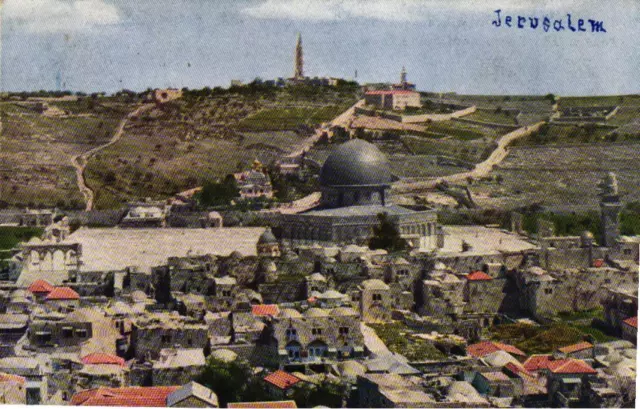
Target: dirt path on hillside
480,170
344,120
80,161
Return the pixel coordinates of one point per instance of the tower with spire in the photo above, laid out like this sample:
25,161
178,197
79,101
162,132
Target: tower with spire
404,84
299,60
610,207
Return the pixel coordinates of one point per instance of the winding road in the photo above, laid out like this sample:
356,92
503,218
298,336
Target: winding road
343,120
80,161
480,170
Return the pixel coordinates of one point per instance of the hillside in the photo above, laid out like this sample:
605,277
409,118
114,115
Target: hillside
198,138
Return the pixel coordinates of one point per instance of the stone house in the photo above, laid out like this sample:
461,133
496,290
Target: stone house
191,274
12,328
565,380
191,395
399,270
545,294
493,383
619,305
151,333
375,301
57,330
392,391
225,290
145,215
33,373
581,350
20,301
40,289
483,293
442,295
13,390
173,367
62,299
315,283
161,96
393,99
629,329
316,337
281,384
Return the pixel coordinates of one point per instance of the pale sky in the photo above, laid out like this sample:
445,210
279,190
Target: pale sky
446,45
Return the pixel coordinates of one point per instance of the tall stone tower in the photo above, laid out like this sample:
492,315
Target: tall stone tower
403,76
299,60
610,206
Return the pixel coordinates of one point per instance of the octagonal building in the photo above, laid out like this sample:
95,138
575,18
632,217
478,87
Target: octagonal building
355,182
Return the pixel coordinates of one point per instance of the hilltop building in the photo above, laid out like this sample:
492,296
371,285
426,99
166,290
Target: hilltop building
299,60
396,99
404,84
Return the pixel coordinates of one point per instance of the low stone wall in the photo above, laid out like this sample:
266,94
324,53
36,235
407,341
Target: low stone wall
420,118
493,125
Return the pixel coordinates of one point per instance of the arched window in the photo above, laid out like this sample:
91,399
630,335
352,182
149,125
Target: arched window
317,349
293,349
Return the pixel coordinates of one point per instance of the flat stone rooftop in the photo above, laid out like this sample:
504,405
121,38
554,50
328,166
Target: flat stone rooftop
483,240
105,249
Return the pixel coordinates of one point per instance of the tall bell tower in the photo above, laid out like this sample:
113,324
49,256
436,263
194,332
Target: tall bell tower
610,207
299,60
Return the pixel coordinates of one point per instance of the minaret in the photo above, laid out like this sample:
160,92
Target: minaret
610,209
299,60
403,76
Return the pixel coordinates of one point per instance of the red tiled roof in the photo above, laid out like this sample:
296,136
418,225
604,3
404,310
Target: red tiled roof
390,92
40,287
598,262
5,377
262,310
487,347
581,346
517,369
63,293
478,276
282,379
563,366
102,359
150,396
571,366
280,404
632,322
537,362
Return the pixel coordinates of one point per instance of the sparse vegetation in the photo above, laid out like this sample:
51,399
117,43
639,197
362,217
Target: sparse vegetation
277,119
386,236
396,337
11,236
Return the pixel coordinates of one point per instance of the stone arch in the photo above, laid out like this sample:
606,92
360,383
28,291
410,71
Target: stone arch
46,262
58,260
34,257
318,348
294,349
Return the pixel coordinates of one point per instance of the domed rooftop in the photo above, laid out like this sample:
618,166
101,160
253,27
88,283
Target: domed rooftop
331,295
267,237
289,313
224,355
356,163
343,312
315,313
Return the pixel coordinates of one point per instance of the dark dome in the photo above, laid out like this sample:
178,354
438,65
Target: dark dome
356,163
